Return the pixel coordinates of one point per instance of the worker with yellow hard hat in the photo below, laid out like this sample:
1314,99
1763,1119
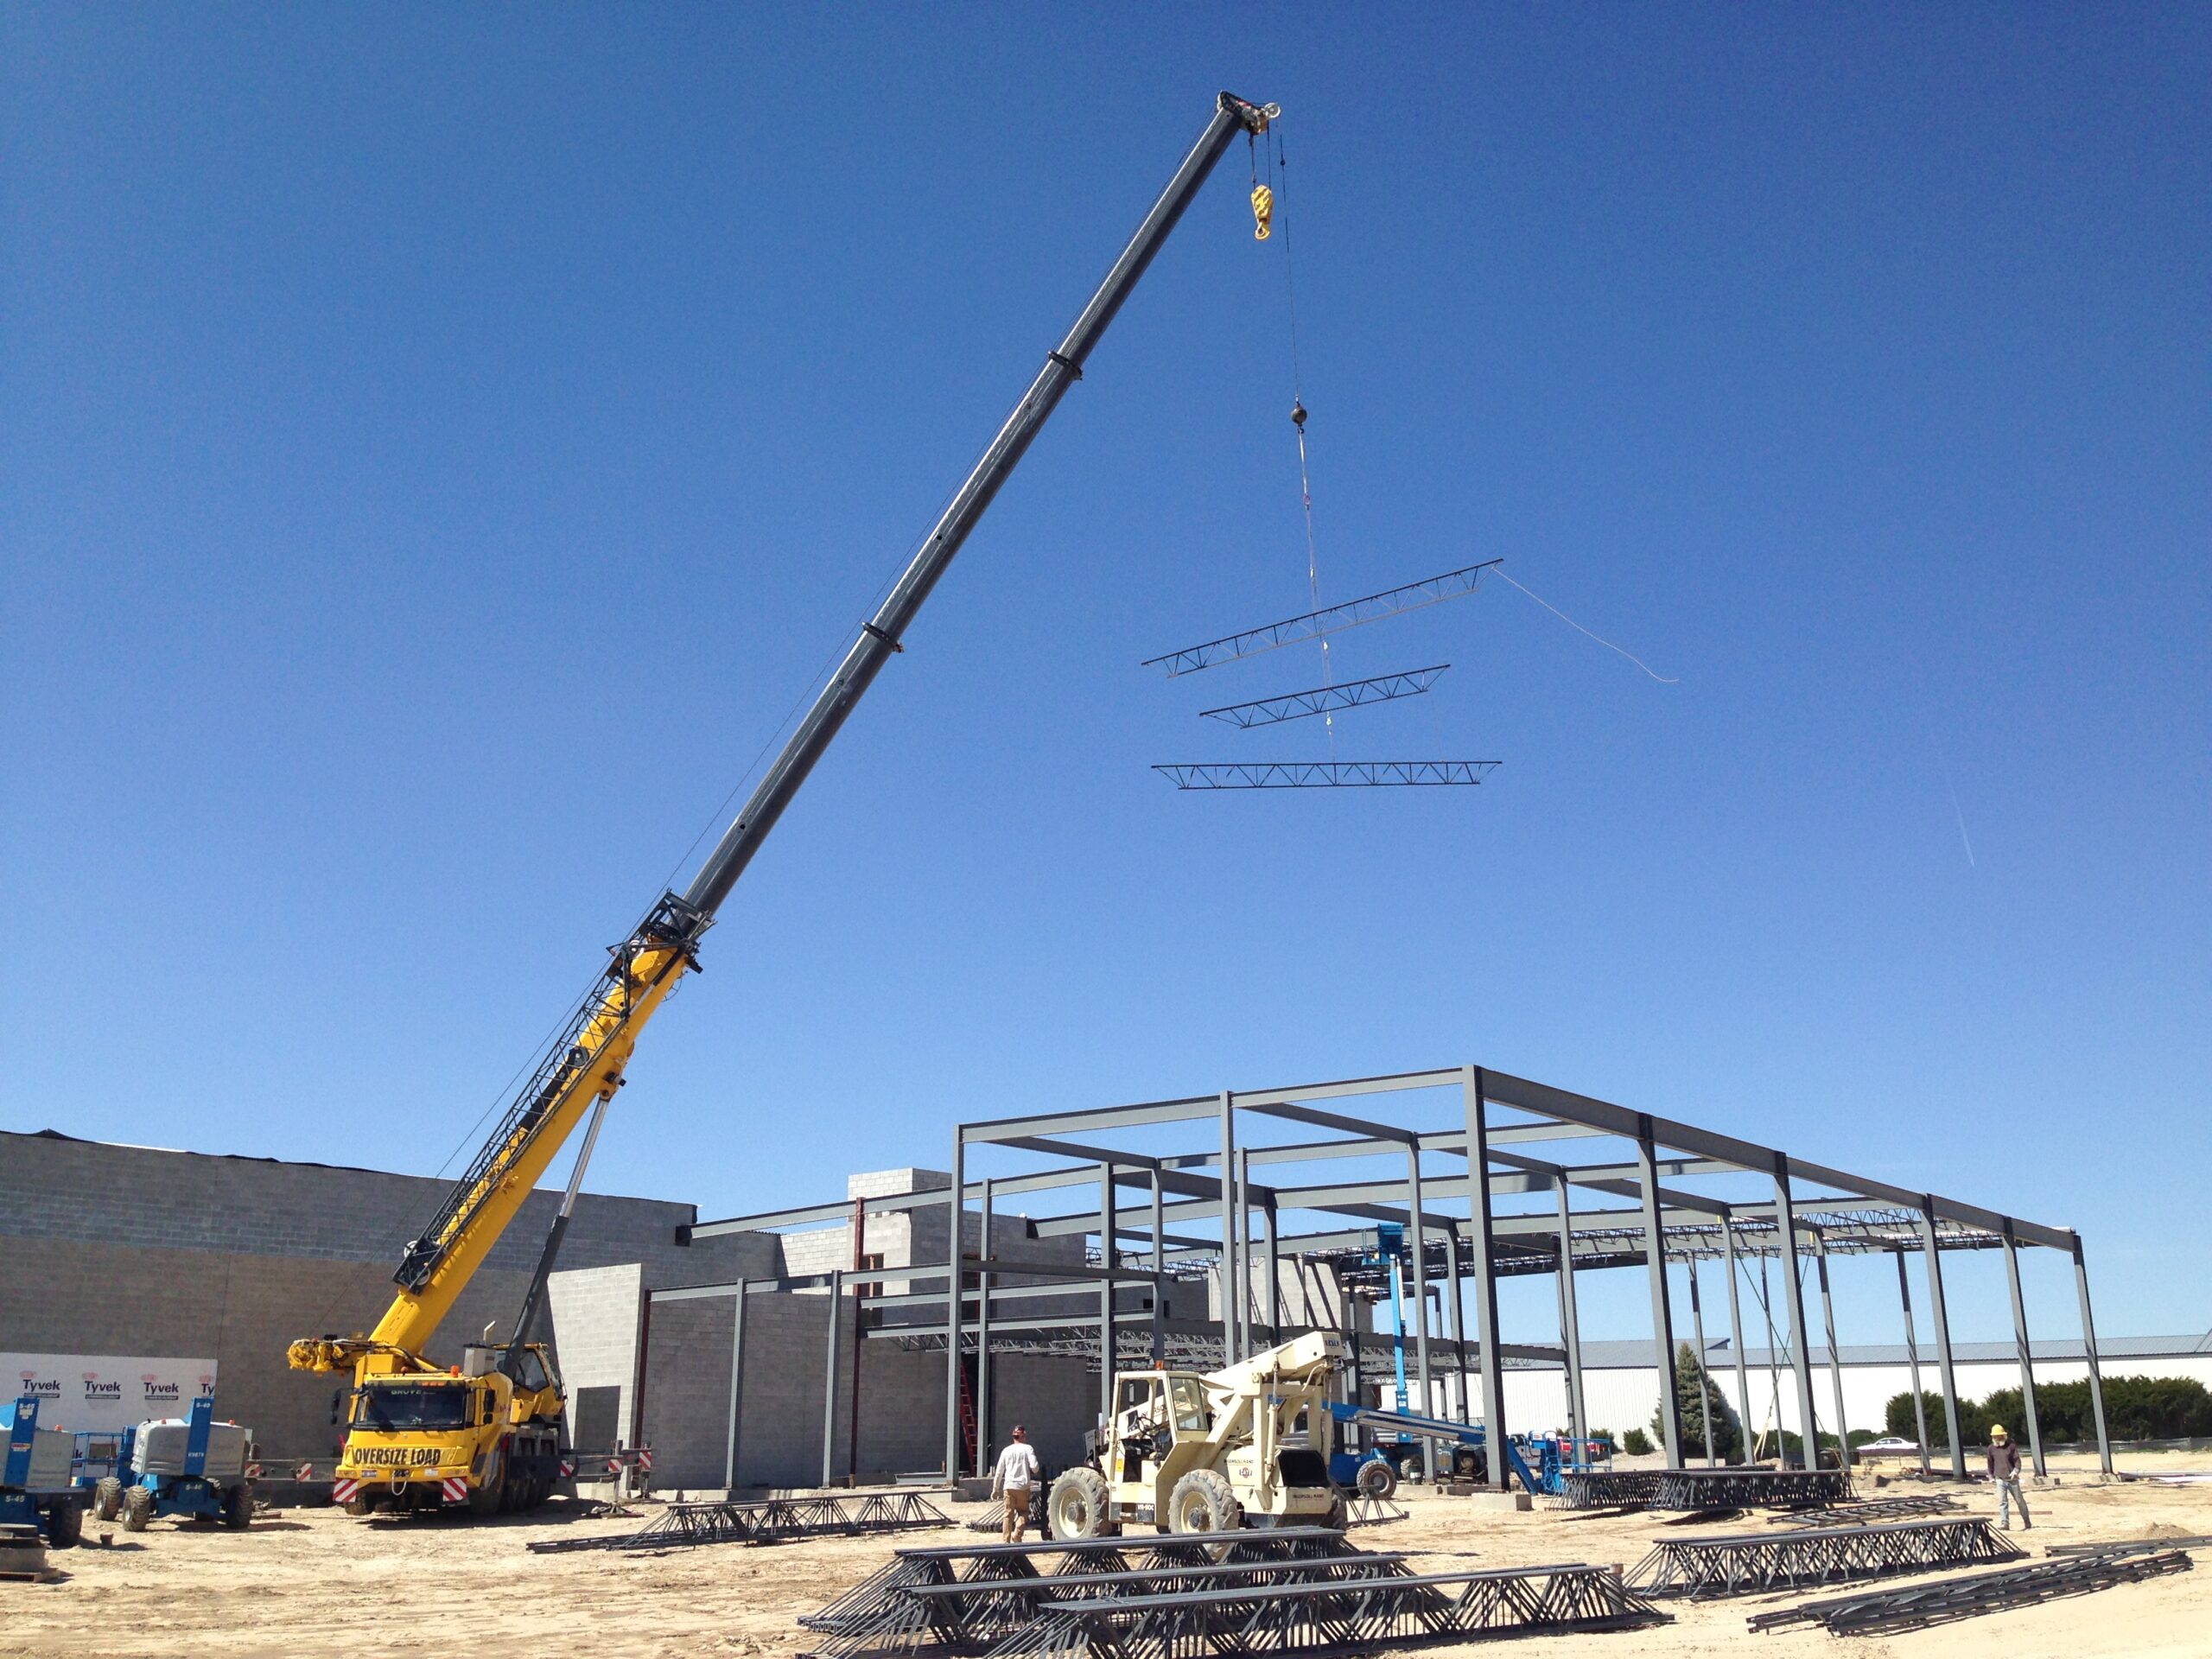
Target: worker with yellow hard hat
2004,1471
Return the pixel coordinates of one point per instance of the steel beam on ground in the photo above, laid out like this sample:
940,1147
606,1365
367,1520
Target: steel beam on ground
736,1386
1934,1257
1835,1354
1912,1361
2089,1348
1482,1236
1662,1335
1736,1336
2027,1358
1800,1338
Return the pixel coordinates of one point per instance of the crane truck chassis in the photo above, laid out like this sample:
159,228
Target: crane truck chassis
1191,1453
487,1435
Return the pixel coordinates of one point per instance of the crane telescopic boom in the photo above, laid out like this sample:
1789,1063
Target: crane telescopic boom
581,1069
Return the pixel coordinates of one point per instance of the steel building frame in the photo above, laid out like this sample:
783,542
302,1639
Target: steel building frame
1214,1210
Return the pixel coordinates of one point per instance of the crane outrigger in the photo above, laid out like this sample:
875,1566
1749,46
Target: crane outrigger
487,1433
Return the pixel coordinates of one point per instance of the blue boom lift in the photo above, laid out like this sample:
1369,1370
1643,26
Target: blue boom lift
194,1467
35,1486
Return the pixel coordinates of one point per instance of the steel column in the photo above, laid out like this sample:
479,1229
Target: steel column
830,1381
1159,1266
736,1386
982,1401
1490,1355
1912,1361
1835,1354
1662,1335
2089,1348
1570,1316
2020,1341
1455,1325
1274,1272
1785,1218
1417,1235
1246,1295
953,1217
1735,1337
1934,1257
1228,1227
1109,1352
1704,1383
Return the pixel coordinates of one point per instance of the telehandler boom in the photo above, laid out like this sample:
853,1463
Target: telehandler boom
487,1434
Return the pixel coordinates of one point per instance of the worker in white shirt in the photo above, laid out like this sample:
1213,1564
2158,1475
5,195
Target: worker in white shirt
1015,1478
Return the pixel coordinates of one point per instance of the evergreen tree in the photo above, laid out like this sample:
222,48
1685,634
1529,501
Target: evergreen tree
1727,1431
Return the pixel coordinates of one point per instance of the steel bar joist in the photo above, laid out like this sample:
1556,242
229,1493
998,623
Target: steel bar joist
1356,1615
1746,1562
1912,1607
1326,699
879,1612
1607,1488
767,1521
1324,774
1876,1509
1702,1491
1334,619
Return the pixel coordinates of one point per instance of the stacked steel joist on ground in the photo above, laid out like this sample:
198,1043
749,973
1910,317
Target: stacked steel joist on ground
1913,1606
1294,1590
1626,1489
1749,1488
766,1520
1879,1508
1743,1563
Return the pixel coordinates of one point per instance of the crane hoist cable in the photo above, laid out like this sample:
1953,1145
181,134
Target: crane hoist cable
1279,168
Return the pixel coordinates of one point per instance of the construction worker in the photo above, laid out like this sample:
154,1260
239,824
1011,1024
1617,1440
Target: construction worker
1014,1478
2005,1469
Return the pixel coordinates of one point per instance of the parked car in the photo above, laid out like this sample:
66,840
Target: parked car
1890,1445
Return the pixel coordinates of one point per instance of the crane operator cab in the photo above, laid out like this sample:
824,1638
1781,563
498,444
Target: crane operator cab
420,1438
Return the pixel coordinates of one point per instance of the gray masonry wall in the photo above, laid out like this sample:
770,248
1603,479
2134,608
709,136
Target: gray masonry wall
114,1249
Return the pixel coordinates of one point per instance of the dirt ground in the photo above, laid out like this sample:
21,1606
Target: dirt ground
312,1580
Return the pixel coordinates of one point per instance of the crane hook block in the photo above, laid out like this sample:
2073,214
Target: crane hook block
1263,210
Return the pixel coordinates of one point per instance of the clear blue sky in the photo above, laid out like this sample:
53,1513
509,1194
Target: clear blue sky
441,443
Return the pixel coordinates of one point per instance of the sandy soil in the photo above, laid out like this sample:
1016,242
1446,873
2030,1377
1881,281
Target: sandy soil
314,1581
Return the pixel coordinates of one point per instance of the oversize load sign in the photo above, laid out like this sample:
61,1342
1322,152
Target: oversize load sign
102,1393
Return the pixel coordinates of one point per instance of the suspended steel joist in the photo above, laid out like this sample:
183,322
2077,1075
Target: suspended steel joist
1327,699
1322,774
1334,619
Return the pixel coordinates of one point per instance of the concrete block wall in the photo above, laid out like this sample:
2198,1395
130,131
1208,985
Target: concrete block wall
598,1328
136,1250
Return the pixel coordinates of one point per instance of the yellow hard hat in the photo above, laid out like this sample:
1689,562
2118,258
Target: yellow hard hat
1997,1431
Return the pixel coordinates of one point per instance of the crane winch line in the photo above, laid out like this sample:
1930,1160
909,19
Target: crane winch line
496,1439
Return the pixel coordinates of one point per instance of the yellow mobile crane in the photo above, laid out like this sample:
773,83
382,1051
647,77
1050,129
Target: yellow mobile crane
487,1433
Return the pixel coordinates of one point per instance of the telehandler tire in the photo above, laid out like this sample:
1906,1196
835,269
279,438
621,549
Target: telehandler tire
1376,1478
1202,1502
1081,1505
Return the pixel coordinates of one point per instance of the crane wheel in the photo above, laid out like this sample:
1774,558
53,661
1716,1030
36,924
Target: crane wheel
1340,1515
360,1503
1202,1502
1376,1478
489,1496
137,1508
1081,1505
107,1498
